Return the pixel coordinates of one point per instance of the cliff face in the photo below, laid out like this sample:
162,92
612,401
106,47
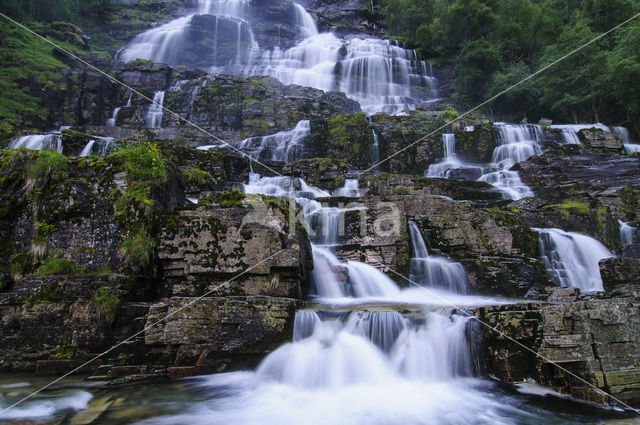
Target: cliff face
594,339
98,284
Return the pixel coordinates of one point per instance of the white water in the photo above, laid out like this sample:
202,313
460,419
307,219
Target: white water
434,271
45,407
286,146
380,75
628,234
155,111
51,141
629,146
517,143
100,146
572,259
111,122
350,189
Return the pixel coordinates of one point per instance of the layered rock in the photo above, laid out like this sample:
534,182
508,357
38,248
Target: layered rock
575,348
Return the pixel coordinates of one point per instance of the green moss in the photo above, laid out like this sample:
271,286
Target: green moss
58,266
65,352
28,66
50,294
448,114
255,128
196,176
259,83
568,207
229,199
109,302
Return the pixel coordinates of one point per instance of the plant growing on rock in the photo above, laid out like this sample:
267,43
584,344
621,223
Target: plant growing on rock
138,249
58,266
144,162
109,302
48,167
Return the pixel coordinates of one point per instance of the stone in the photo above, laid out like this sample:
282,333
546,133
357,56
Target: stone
596,138
620,272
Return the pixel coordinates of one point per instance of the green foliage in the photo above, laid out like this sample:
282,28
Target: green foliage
229,199
496,44
29,66
65,352
58,266
48,167
196,176
138,249
143,162
109,302
448,114
21,264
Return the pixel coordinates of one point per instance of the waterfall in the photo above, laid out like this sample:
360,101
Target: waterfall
375,149
350,189
286,146
379,74
376,347
629,146
450,161
99,146
86,151
628,234
155,111
572,258
305,22
111,122
51,141
434,271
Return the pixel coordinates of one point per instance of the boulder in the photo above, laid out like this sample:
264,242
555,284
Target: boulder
620,272
598,139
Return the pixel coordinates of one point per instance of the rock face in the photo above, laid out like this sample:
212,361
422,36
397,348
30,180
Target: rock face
596,138
347,17
620,272
205,266
594,339
594,192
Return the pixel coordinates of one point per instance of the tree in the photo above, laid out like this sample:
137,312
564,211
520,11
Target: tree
475,66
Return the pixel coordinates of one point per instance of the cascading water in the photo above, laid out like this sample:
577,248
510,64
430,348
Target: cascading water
155,111
629,146
111,122
572,259
380,75
41,142
432,271
628,233
517,143
285,146
350,189
99,146
442,169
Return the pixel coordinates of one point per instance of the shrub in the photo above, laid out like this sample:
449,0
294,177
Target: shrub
229,198
49,165
448,114
139,249
196,176
109,302
58,266
144,162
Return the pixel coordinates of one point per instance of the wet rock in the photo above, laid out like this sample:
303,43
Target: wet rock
598,139
593,338
620,272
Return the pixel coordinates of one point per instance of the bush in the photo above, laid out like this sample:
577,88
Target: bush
139,249
144,162
449,114
58,266
109,302
196,176
49,165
